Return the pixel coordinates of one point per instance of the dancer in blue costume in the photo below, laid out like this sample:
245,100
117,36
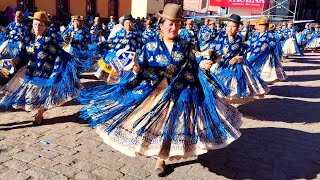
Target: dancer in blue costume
149,33
95,31
112,23
96,46
188,34
76,42
206,36
49,79
314,42
305,35
233,69
261,54
204,29
276,31
290,45
168,110
14,36
126,38
17,31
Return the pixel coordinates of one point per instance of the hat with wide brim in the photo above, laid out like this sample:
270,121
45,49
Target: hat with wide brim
77,17
171,12
190,21
128,17
235,18
40,16
19,14
272,27
96,19
263,21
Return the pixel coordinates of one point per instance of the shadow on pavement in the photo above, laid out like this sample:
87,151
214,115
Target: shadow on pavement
63,119
295,91
284,110
10,109
302,78
301,68
305,60
267,153
45,122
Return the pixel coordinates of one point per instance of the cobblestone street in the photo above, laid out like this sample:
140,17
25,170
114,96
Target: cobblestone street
280,140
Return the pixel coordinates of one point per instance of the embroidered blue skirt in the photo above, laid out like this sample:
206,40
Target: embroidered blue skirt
29,93
241,79
152,119
268,66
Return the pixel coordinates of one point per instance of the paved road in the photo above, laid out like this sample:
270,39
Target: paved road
281,140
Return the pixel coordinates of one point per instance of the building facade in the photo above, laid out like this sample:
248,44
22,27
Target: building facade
103,8
146,8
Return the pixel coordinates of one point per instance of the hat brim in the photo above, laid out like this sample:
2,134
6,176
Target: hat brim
21,16
272,28
79,19
33,18
169,18
263,24
131,19
233,20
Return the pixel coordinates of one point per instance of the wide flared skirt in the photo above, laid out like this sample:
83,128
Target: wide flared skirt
314,43
84,59
290,47
243,82
21,93
9,50
272,70
169,129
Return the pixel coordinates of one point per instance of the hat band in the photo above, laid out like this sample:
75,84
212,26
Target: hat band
170,18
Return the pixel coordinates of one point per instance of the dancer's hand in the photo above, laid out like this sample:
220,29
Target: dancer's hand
264,47
136,66
218,59
235,60
206,64
2,28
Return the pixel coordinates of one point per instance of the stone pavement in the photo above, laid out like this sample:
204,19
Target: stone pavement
281,140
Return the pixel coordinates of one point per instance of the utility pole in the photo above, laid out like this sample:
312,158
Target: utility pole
295,10
207,8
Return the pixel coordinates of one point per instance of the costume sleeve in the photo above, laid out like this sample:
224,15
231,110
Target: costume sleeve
272,41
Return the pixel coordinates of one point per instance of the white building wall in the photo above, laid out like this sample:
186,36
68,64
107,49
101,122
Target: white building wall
139,8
